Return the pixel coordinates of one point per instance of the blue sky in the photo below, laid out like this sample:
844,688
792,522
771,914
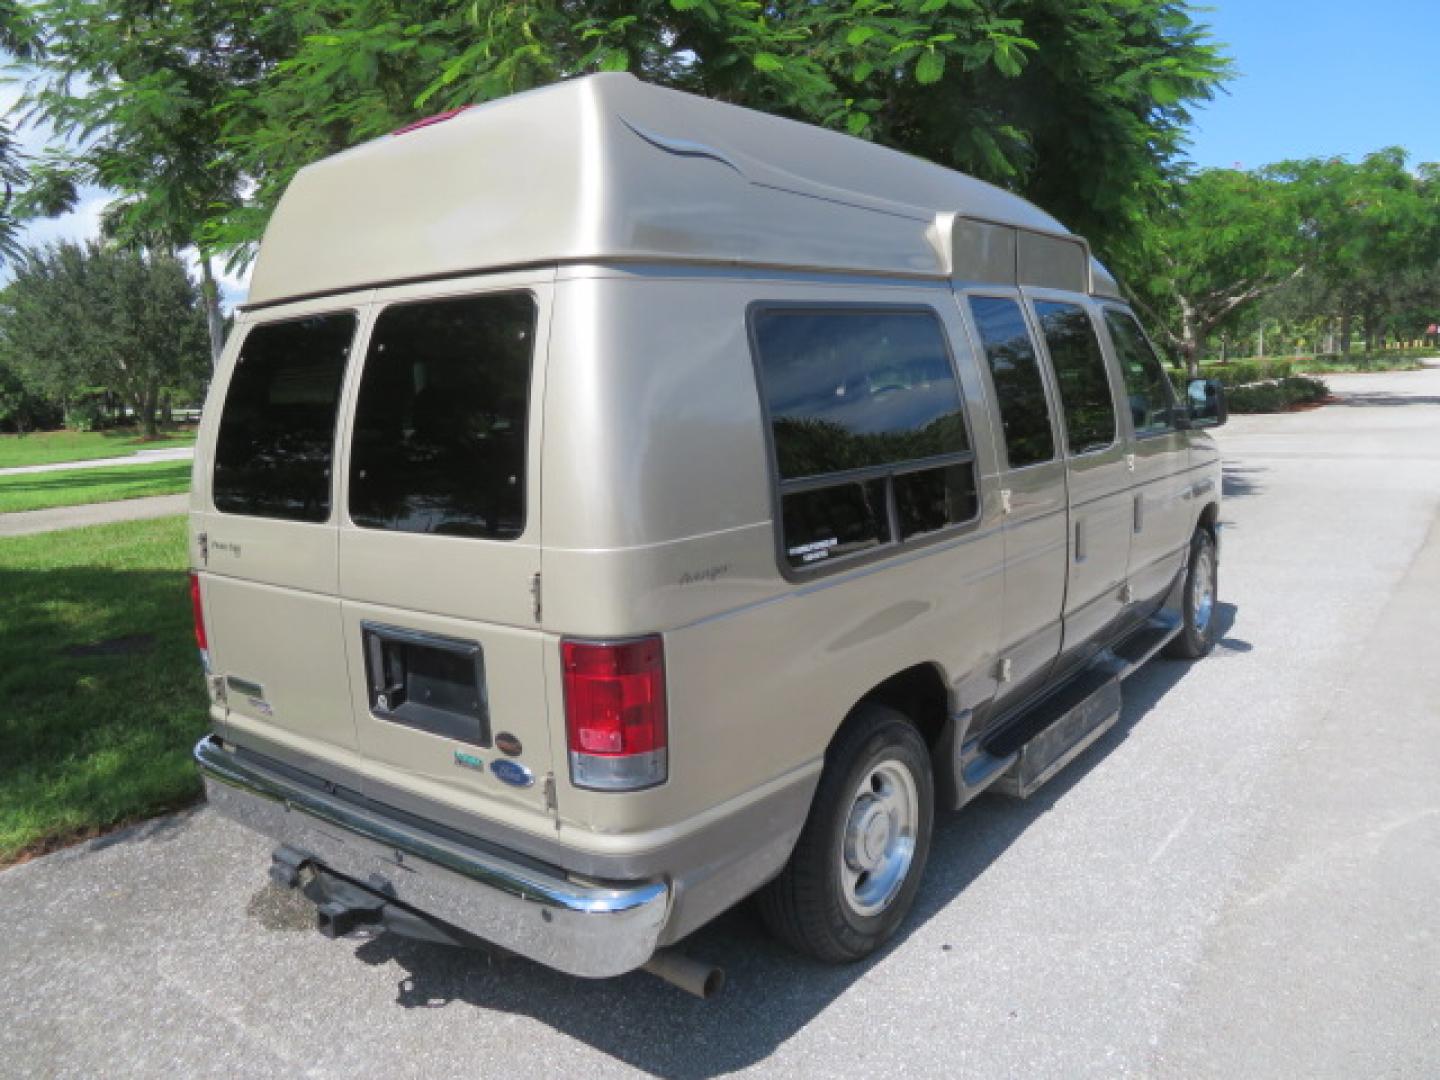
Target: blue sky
1322,77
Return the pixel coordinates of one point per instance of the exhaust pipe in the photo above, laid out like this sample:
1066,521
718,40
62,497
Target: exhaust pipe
693,976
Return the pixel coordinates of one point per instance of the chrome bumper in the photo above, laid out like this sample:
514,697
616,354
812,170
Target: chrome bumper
590,930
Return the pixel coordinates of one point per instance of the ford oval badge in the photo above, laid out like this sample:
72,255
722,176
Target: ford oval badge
512,773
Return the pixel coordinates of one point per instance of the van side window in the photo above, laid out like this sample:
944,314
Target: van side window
441,417
1152,406
869,430
276,439
1080,372
1015,371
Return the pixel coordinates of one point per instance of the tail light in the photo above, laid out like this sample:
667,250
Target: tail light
197,606
615,719
427,121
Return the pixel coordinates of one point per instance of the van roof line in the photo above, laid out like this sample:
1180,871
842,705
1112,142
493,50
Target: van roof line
606,167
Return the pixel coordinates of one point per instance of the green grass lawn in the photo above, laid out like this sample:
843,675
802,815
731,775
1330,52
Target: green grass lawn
48,447
90,737
71,487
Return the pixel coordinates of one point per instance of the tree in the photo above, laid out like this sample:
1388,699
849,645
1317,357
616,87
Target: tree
133,87
1374,226
76,317
1079,104
1227,239
17,41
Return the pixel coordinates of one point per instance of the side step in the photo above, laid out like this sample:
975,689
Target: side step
1056,732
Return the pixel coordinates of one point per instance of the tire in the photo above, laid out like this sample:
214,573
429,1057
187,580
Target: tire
840,903
1197,634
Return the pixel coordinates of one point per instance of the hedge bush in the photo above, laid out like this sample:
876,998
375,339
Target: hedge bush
1276,395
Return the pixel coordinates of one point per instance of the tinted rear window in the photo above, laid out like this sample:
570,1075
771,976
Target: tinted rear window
440,423
276,441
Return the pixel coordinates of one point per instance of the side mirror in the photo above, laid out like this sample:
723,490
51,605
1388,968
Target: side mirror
1207,403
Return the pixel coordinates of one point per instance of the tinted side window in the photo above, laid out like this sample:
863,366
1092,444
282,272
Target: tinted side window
440,422
847,390
1015,371
276,440
834,521
1080,372
864,393
1146,384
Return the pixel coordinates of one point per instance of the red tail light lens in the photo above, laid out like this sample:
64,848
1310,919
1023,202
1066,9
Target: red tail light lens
615,717
197,607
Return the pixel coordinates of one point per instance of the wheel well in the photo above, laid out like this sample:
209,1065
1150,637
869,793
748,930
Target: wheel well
921,694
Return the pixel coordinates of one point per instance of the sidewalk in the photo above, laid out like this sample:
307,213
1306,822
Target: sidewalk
142,457
73,517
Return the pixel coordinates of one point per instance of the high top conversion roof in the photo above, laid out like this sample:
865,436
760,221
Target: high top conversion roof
608,168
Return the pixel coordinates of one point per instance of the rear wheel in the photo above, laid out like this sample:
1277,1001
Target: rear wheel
1197,635
857,865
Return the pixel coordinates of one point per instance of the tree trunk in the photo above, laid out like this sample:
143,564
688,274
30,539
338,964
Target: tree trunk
1346,325
1190,353
214,318
151,400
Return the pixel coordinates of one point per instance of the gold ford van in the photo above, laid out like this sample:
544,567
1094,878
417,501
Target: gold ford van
613,503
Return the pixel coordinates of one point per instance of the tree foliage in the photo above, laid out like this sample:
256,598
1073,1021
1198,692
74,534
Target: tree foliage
134,88
1310,239
17,40
77,316
1374,231
1226,239
200,112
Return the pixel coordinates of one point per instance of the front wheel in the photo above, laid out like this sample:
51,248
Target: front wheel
855,870
1197,635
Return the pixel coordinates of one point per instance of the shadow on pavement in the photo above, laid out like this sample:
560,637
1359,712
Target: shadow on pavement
771,993
1380,399
1238,481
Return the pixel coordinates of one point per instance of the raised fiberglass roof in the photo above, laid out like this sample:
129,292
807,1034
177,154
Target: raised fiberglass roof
607,168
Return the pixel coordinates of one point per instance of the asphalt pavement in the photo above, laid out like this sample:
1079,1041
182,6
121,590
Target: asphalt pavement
1241,879
25,522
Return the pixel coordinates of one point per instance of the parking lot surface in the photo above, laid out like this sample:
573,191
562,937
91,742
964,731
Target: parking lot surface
1241,878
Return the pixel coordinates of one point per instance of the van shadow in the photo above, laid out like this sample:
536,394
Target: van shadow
1238,481
1380,399
771,993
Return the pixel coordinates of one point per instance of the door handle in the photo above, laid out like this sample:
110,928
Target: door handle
1080,540
1139,513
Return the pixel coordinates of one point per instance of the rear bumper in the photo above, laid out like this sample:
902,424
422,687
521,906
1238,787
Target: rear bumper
591,930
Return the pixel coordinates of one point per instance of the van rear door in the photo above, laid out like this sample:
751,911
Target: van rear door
439,547
265,541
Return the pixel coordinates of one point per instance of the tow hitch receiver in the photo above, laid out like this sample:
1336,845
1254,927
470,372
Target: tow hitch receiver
343,906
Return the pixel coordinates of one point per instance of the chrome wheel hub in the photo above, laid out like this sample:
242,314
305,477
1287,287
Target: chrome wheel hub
879,841
1202,590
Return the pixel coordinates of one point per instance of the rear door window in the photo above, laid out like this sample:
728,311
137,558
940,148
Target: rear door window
871,443
441,418
1152,406
1080,372
275,446
1015,372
